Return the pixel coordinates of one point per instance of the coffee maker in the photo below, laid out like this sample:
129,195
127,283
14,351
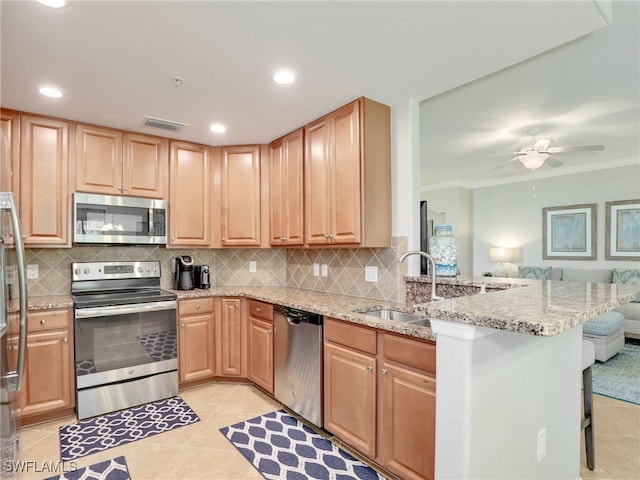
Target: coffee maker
202,276
183,273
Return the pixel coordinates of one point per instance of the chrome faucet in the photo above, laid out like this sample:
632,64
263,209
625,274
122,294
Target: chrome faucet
434,297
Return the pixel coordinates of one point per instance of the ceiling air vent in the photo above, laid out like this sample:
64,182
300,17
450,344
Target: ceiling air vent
165,124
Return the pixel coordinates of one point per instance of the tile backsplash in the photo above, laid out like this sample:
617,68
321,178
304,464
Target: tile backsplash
274,267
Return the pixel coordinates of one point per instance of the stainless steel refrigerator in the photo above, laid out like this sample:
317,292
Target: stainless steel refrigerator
13,299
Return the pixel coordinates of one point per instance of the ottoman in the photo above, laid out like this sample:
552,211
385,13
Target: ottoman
606,333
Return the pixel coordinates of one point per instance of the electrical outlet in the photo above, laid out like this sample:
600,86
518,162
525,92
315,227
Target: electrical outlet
32,272
325,270
253,267
370,273
316,269
542,444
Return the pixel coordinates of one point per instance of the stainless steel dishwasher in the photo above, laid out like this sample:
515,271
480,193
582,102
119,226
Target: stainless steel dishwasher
298,361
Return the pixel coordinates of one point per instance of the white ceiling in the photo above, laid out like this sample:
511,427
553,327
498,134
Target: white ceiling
115,62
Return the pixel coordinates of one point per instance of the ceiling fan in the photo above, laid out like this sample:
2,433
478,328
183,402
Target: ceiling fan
540,151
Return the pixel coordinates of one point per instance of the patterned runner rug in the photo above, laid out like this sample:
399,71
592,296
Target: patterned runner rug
619,377
281,447
114,469
126,426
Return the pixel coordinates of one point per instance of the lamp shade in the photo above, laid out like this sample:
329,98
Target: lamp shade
502,254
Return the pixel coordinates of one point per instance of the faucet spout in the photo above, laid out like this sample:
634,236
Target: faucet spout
402,258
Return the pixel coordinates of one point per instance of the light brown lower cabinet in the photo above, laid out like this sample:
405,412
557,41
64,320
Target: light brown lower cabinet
48,387
260,332
379,396
230,338
196,319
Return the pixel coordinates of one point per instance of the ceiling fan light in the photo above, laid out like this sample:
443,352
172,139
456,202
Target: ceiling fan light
533,160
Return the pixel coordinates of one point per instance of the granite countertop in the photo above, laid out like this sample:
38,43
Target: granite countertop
540,307
534,307
343,307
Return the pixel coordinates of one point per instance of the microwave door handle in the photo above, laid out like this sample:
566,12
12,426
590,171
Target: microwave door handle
16,379
151,226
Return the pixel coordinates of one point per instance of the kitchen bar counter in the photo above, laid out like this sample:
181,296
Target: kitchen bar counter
533,307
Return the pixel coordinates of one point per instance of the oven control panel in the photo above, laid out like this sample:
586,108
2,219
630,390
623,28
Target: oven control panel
81,271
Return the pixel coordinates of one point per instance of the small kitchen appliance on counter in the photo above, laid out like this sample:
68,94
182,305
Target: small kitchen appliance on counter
183,273
202,276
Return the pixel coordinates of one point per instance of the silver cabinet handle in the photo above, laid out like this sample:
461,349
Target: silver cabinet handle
42,322
369,368
198,306
182,324
258,309
65,340
384,371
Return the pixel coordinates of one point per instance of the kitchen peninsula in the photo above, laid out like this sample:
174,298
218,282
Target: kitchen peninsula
508,365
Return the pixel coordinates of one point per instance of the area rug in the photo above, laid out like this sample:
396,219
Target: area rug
619,377
126,426
114,469
281,447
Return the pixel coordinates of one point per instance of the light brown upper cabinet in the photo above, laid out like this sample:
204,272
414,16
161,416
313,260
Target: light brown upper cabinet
286,197
189,195
121,163
347,171
240,190
44,181
10,152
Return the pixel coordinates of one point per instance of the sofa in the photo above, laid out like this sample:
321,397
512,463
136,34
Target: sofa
630,311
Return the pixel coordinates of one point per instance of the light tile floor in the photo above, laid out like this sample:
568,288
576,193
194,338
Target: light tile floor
200,451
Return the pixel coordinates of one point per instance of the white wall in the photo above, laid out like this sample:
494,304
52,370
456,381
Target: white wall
511,215
455,205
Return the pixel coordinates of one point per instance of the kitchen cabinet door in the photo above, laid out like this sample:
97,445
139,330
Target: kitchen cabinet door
44,181
348,176
286,190
196,339
408,422
49,375
10,153
189,195
350,397
98,160
260,344
145,171
230,339
240,177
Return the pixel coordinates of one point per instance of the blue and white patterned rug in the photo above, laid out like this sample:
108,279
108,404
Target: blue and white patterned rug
114,469
281,447
619,377
126,426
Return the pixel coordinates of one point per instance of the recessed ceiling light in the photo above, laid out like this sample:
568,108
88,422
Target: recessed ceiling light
52,3
217,128
49,91
284,76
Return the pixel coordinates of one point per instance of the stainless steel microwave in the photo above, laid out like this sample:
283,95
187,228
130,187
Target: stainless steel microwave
112,219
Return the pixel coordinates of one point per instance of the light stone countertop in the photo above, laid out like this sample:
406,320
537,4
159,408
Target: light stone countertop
539,307
536,307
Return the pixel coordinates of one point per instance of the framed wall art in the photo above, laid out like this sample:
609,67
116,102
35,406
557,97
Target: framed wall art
569,232
622,230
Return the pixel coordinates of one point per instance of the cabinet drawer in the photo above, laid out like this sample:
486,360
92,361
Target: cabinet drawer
41,321
350,335
195,305
261,310
410,352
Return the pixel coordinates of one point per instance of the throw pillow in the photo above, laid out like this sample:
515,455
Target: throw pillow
535,273
624,276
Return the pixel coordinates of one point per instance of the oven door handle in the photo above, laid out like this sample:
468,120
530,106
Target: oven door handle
125,309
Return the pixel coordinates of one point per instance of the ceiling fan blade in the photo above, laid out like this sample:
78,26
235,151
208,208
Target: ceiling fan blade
504,164
574,148
554,162
541,144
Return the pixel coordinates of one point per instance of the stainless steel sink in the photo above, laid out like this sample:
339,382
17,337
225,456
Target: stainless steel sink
398,316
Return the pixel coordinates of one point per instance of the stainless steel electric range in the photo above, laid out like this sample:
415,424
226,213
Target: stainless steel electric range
125,336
